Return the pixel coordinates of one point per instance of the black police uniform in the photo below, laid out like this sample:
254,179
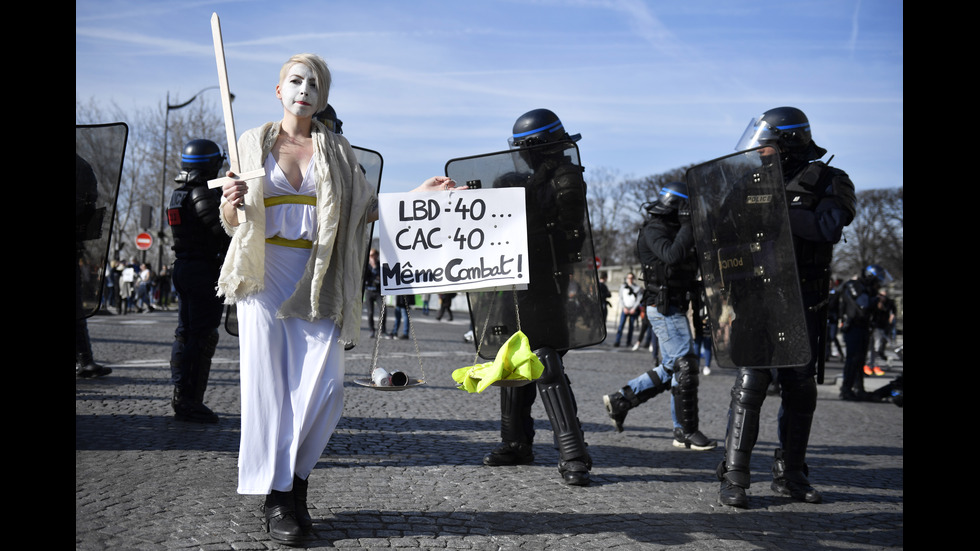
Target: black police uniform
821,203
557,214
86,195
199,246
857,298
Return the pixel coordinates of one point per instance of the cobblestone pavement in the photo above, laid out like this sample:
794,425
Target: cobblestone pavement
404,469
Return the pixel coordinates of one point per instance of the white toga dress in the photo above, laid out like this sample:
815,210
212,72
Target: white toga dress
292,370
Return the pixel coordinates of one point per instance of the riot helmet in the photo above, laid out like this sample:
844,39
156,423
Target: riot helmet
540,137
539,126
788,129
875,276
329,118
200,161
673,196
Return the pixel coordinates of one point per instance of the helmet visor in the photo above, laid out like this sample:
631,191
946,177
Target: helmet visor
883,276
758,133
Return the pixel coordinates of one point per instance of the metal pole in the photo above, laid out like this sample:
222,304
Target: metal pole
163,175
163,184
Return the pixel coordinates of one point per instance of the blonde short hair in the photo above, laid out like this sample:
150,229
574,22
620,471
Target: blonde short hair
320,72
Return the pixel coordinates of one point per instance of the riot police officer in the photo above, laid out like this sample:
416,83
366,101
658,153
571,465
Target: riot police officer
821,202
856,303
557,215
199,246
670,269
86,194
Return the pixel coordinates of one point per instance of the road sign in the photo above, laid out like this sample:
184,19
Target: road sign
144,241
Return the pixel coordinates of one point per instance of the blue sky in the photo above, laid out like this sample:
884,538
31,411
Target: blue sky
651,85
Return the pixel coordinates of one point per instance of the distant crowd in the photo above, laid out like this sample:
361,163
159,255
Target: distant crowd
133,287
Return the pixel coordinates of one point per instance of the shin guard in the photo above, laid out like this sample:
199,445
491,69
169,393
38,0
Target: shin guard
686,393
516,424
743,424
559,403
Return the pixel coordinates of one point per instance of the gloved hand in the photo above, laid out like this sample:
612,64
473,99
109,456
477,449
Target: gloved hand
684,212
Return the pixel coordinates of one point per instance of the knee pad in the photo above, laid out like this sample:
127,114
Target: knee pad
750,388
554,369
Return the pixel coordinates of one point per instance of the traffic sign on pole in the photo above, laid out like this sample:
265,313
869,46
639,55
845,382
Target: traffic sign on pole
144,241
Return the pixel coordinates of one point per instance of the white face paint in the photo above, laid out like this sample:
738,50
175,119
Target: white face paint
298,91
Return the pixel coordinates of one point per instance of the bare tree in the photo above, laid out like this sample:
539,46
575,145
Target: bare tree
618,208
875,236
146,180
609,207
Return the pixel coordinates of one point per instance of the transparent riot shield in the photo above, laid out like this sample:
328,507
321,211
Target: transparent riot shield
745,249
101,147
560,306
371,163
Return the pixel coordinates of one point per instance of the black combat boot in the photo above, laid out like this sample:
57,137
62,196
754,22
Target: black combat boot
619,403
85,366
733,486
516,428
789,468
190,370
790,480
510,453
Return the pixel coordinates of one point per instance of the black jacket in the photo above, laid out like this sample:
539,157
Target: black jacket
666,251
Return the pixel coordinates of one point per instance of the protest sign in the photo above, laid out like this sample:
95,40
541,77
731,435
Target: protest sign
452,241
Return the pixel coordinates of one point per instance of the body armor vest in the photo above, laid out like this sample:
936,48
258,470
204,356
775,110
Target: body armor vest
666,285
193,217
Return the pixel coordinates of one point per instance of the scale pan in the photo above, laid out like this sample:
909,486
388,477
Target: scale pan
367,382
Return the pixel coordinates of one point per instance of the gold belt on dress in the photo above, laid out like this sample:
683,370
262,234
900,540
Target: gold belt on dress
295,243
293,199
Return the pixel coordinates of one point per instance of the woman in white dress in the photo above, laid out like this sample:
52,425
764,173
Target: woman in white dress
294,270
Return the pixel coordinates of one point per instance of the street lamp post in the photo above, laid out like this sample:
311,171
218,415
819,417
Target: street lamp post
163,173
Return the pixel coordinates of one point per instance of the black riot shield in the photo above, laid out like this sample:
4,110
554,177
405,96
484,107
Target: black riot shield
99,153
371,163
560,306
745,247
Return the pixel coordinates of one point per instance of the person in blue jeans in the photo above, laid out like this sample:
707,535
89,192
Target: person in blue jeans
666,250
630,295
402,304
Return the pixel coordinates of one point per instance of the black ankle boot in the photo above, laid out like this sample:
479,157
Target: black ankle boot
188,409
617,406
619,403
280,518
303,517
732,495
510,453
576,471
791,480
733,486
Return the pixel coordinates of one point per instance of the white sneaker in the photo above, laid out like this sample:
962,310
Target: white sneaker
706,370
636,346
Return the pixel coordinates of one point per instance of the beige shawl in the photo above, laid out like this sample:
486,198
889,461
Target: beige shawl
331,284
